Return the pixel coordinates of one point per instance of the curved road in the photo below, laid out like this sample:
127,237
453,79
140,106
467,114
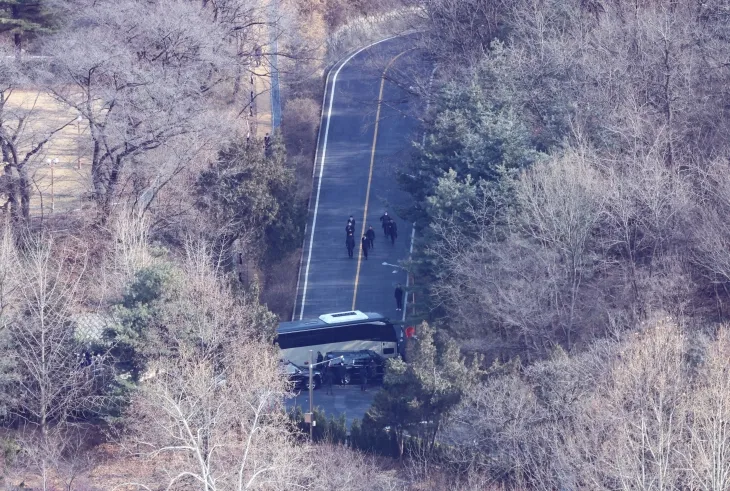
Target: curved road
365,135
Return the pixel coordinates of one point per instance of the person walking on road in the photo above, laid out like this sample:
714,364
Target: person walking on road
350,243
257,55
398,297
349,229
351,221
328,377
341,372
384,219
365,246
370,234
393,231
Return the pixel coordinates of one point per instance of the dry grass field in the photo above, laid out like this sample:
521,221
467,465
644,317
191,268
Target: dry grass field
63,189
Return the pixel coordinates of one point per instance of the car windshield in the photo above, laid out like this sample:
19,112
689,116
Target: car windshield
291,368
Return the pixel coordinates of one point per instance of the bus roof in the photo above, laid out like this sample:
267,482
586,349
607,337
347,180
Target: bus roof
330,320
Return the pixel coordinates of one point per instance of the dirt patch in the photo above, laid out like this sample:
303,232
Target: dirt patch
280,287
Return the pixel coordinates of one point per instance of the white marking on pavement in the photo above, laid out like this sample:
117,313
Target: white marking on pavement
408,276
314,170
321,167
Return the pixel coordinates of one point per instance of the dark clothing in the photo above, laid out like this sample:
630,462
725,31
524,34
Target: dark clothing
365,244
363,378
257,55
349,229
328,378
319,357
340,371
399,298
386,223
372,370
351,222
393,232
370,234
350,243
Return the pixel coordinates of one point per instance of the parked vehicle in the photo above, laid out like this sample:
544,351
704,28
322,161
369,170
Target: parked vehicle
341,331
299,377
355,361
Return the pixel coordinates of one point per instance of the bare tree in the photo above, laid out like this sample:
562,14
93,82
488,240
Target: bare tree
56,380
217,425
707,458
22,142
145,77
630,433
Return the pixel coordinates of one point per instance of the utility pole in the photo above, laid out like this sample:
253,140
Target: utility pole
52,163
311,397
309,417
78,142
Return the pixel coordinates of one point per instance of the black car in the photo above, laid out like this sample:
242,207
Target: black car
354,362
299,377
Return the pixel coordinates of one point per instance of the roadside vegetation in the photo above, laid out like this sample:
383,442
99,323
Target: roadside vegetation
570,193
571,264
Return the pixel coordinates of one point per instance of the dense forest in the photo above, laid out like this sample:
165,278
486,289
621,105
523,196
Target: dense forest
571,263
571,190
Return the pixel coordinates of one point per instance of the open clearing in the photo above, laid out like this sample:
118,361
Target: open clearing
71,175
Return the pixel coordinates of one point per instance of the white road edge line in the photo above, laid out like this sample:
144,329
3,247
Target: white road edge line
314,170
321,166
408,276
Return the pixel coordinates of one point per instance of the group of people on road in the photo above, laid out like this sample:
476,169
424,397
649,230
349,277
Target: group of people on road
367,243
335,371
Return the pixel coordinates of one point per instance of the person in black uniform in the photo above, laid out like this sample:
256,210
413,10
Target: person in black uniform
341,371
370,234
349,228
398,297
372,371
393,231
384,219
386,228
365,246
329,377
350,243
351,221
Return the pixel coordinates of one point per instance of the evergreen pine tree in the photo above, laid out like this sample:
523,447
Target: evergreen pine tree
24,19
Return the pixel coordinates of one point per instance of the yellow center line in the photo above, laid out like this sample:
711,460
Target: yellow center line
370,175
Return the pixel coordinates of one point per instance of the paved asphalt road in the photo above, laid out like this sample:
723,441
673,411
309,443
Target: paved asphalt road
329,280
358,133
348,399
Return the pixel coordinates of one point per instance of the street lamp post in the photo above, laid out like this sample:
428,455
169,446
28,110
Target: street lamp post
78,142
311,390
311,396
52,163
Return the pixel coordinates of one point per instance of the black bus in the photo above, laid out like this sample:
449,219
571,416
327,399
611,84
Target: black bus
342,331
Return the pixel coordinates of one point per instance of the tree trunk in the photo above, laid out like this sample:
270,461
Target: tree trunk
24,191
12,193
17,36
18,41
